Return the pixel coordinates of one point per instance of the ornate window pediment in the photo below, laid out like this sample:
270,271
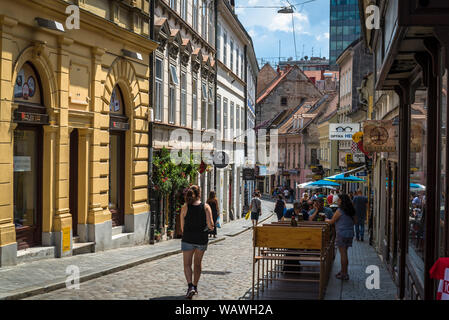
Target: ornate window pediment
175,42
162,31
196,60
186,51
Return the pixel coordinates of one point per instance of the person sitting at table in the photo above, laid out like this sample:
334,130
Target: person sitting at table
318,207
295,211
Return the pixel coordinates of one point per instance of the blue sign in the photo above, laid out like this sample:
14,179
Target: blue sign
361,174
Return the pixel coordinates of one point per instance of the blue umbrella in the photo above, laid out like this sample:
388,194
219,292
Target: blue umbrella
341,177
324,183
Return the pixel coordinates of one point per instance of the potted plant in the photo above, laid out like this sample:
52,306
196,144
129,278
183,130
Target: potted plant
157,236
170,233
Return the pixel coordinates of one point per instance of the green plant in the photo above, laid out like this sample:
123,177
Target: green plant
169,177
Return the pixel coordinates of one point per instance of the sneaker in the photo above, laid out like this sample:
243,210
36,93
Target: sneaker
190,292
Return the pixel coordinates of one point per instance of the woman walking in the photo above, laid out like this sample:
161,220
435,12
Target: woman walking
279,208
196,222
213,203
255,208
344,227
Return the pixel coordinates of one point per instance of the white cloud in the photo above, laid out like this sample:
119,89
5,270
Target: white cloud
283,22
324,36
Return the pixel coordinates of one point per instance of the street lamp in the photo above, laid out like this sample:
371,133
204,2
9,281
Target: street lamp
286,10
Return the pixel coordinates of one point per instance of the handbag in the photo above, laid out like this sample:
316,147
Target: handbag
218,223
247,215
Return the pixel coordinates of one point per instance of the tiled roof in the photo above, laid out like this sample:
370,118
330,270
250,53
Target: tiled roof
274,84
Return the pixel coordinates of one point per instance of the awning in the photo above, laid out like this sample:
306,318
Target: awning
350,172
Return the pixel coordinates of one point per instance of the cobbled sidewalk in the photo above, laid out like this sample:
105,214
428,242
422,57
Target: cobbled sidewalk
360,255
43,276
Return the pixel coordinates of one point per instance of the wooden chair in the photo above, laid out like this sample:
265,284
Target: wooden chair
302,243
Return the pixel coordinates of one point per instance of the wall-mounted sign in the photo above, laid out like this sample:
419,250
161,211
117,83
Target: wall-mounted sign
22,164
28,117
119,125
379,136
220,159
66,239
343,131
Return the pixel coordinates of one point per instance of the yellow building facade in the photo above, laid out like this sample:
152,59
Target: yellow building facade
74,114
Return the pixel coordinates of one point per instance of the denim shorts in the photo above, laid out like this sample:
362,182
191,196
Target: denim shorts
185,246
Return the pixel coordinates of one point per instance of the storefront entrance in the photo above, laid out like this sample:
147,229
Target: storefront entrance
27,186
118,126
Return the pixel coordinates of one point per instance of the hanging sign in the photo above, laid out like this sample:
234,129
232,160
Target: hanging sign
343,131
249,174
379,136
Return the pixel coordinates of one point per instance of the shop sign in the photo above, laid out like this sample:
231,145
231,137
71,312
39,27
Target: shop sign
22,164
119,125
249,174
28,117
379,136
358,157
343,131
361,174
66,239
416,136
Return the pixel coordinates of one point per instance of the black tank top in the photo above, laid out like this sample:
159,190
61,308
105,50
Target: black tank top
195,224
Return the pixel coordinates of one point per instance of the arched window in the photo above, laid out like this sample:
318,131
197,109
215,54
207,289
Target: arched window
27,86
116,105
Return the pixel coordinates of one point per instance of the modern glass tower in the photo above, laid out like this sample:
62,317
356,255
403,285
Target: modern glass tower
344,27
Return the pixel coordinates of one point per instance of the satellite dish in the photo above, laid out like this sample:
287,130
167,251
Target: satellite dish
221,160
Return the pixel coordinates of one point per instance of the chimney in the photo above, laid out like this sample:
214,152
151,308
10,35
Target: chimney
278,70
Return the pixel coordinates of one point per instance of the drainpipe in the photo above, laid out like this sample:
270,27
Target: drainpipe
151,192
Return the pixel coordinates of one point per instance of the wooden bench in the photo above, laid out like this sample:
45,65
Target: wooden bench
275,244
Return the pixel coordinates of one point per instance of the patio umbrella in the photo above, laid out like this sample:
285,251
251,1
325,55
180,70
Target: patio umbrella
341,178
323,184
417,187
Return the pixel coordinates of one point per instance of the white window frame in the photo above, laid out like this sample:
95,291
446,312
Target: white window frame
183,98
159,91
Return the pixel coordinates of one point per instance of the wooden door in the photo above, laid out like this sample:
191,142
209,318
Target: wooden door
73,182
117,177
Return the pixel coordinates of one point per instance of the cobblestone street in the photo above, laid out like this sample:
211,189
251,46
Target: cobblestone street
226,274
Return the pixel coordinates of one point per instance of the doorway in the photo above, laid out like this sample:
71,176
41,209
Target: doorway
116,177
27,185
73,189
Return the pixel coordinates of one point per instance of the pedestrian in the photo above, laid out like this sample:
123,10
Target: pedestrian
196,222
360,202
294,212
213,203
279,208
319,208
292,195
330,198
256,208
286,193
344,227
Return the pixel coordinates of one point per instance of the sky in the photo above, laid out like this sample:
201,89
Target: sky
267,28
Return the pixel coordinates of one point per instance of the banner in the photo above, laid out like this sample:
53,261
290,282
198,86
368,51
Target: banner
379,136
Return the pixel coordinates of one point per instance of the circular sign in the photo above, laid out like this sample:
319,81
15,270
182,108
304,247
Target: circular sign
221,159
379,135
356,137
